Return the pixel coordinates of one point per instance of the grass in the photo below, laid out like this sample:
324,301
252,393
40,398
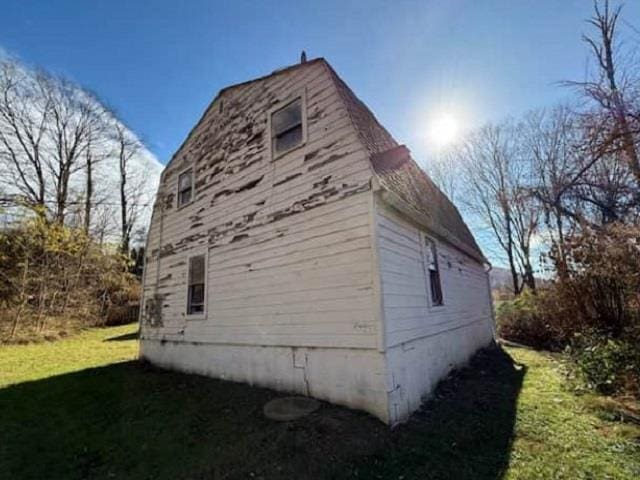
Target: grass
84,408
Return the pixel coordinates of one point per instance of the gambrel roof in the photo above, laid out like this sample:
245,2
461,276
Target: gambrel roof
399,174
404,183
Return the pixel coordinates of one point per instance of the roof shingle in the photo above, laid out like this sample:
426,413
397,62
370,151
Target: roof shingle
400,174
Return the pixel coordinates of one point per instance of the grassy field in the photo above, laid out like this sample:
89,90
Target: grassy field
84,408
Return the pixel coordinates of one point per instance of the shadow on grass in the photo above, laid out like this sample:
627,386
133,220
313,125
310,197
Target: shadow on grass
129,420
466,429
122,338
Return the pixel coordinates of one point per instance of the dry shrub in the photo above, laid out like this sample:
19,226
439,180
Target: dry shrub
592,310
54,278
527,319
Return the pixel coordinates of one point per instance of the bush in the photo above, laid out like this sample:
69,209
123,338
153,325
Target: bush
520,320
605,365
592,309
602,285
533,319
55,278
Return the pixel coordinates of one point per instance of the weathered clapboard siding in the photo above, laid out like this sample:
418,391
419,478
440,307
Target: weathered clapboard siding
405,292
288,241
423,342
314,282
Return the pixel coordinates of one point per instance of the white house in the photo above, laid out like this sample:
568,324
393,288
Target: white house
296,245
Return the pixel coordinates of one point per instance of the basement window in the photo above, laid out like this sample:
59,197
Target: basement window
185,187
433,271
196,285
287,127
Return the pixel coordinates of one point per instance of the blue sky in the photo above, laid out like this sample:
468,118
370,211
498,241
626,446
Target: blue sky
159,63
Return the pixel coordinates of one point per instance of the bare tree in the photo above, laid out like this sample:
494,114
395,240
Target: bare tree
24,116
613,90
550,138
98,149
75,116
525,213
128,146
498,196
88,196
445,170
47,125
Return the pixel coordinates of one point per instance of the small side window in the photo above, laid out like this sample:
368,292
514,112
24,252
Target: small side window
196,287
433,271
185,187
287,127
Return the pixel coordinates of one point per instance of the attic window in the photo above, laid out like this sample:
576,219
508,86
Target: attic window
287,129
196,285
185,187
433,271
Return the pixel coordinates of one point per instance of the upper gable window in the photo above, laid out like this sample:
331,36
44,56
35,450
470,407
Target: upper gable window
185,187
433,271
287,130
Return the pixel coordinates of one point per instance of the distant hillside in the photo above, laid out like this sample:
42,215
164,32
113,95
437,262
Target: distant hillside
500,278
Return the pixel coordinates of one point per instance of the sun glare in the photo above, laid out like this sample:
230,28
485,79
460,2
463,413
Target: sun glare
444,130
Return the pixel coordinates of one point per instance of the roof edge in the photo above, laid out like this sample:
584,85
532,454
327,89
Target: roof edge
397,202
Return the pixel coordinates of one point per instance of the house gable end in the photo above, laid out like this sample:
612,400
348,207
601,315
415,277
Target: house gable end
299,216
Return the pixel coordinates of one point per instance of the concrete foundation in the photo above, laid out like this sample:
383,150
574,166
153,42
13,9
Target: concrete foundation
416,367
355,378
389,385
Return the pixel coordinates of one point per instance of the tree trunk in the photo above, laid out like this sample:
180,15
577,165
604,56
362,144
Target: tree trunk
123,206
23,299
606,22
529,278
89,194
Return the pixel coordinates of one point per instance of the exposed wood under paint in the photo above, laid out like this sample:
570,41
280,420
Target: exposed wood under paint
289,240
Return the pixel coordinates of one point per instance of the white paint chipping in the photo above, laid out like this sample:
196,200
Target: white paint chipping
313,286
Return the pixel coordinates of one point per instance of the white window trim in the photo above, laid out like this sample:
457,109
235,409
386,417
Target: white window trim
427,278
199,315
301,94
193,186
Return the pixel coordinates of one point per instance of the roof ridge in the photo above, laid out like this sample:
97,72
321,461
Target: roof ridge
275,72
236,85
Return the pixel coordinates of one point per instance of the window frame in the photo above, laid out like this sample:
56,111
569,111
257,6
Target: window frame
193,185
197,315
430,242
302,96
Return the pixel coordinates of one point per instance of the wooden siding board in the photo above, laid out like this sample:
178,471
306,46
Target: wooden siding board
407,310
289,241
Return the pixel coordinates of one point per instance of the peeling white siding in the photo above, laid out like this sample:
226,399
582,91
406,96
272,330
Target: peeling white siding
289,275
289,240
310,287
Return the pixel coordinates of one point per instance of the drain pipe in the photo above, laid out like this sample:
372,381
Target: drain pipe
487,269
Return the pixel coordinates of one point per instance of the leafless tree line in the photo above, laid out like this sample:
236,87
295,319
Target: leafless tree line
73,185
59,147
542,178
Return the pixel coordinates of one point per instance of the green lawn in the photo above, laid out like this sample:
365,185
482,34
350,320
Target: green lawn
84,408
